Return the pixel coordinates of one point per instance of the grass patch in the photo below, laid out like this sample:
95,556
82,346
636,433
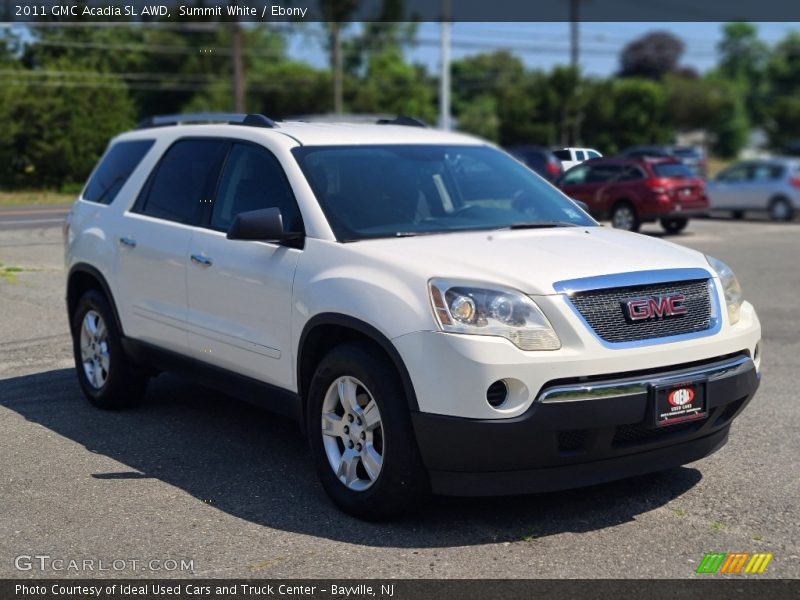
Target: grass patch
9,274
35,197
678,512
717,526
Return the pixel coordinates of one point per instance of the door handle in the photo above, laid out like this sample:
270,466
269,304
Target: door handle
202,260
127,241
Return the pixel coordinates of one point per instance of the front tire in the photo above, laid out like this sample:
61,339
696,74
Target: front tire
674,225
780,209
624,216
108,378
361,438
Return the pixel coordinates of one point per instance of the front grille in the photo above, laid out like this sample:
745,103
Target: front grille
602,309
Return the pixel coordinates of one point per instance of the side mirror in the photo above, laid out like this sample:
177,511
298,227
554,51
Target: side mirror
264,225
582,205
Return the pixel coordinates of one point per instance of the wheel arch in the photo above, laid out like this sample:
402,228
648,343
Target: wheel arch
325,331
83,277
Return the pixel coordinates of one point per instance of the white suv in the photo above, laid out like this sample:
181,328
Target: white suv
436,316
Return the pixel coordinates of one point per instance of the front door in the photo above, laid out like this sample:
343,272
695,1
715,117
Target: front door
240,292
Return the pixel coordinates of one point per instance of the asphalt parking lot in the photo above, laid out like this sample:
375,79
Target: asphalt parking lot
193,475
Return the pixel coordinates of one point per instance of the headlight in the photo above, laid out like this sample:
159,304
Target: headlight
731,288
463,307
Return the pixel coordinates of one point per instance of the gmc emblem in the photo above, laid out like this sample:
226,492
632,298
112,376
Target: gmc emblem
654,307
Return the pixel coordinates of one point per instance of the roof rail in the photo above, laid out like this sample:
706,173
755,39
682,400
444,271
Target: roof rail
406,121
250,120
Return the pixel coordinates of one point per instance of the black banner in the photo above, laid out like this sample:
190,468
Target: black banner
711,588
264,11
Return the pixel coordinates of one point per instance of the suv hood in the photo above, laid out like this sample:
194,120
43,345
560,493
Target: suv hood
531,260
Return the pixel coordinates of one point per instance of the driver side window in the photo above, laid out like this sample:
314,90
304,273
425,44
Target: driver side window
575,176
253,179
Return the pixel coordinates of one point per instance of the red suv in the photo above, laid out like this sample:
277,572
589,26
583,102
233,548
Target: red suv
632,191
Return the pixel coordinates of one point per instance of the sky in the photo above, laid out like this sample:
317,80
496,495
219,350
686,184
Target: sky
544,45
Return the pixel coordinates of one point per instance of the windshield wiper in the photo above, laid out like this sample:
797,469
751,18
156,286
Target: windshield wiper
541,225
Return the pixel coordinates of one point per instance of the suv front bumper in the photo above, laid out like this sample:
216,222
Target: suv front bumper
582,433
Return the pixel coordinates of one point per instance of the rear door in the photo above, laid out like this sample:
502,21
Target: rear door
153,242
729,190
240,292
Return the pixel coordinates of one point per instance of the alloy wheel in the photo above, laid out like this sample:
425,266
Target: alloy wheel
352,433
95,355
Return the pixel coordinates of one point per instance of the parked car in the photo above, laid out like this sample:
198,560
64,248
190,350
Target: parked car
540,159
771,185
632,191
436,316
691,156
570,157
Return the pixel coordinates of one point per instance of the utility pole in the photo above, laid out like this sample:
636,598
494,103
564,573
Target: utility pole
444,75
238,64
574,38
337,67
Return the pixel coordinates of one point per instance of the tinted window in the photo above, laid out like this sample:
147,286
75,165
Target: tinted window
673,171
114,169
580,155
562,154
767,172
603,173
391,190
253,179
575,176
183,180
631,174
734,174
593,154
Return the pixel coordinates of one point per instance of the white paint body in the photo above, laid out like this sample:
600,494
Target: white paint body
247,311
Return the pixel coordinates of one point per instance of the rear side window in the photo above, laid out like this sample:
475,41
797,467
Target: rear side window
580,155
183,180
114,169
562,154
673,171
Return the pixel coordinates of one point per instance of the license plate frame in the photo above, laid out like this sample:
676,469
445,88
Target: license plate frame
666,398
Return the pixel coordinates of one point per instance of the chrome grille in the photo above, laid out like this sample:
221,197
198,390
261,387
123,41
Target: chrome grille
602,309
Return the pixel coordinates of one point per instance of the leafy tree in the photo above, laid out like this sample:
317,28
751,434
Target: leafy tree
743,58
625,112
479,117
54,134
782,114
651,56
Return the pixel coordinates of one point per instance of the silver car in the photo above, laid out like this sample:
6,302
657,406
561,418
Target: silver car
771,185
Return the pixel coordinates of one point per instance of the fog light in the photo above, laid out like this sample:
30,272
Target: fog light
497,393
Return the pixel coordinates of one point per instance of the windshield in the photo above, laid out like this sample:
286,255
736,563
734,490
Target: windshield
404,190
673,171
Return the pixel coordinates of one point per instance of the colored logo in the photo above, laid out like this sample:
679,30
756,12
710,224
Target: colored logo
680,396
654,307
734,562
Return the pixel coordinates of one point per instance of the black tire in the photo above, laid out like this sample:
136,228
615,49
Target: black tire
673,225
780,209
402,484
124,384
738,214
624,216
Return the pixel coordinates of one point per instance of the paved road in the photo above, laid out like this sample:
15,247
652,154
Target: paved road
31,217
193,475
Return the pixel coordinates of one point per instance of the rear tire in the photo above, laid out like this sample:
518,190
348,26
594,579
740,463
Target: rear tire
780,209
674,225
361,438
624,216
108,378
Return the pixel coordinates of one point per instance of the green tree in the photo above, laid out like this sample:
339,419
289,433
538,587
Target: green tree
743,58
54,134
651,56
